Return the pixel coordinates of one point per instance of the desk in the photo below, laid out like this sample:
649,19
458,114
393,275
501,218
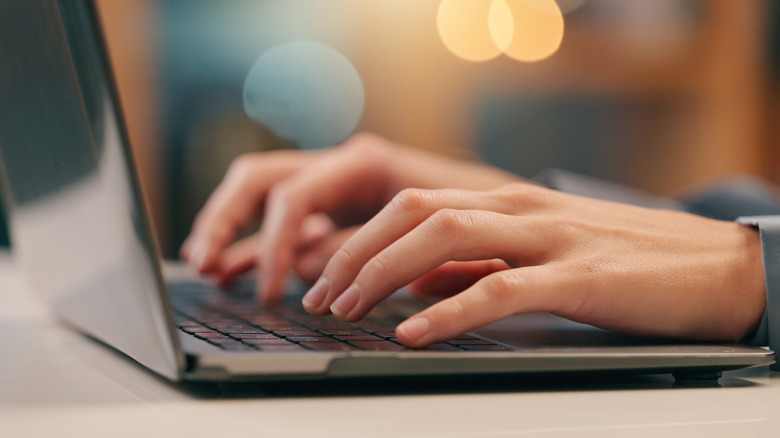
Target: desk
57,383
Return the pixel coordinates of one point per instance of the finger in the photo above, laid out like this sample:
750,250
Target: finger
236,259
241,256
346,176
522,290
312,258
235,202
185,250
406,211
447,235
315,227
454,277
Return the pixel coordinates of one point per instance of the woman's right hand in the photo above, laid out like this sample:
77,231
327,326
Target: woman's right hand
311,202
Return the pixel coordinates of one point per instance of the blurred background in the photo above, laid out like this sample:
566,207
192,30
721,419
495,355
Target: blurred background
663,95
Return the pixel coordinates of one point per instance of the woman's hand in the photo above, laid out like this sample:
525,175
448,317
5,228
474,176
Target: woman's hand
619,267
310,203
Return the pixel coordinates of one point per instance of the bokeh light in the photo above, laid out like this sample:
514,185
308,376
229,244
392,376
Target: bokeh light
464,28
502,24
538,28
479,30
306,92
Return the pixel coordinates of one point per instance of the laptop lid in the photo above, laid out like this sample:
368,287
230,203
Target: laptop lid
76,217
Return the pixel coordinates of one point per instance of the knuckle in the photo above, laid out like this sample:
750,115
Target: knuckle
454,311
242,166
513,187
506,286
280,194
525,195
379,267
411,200
364,143
343,257
563,225
566,229
449,222
590,268
580,303
222,232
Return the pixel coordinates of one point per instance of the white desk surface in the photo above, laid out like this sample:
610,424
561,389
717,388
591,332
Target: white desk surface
57,383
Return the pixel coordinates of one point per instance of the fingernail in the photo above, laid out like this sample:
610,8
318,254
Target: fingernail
346,302
316,295
415,328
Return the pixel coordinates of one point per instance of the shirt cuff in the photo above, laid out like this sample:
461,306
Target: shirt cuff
768,332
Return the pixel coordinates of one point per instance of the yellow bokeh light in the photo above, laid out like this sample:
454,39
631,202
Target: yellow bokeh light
538,29
464,28
501,24
479,30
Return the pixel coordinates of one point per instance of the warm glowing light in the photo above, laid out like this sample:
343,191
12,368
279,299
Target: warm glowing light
479,30
464,28
538,29
502,25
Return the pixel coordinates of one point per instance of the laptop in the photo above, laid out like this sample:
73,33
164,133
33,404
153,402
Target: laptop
81,235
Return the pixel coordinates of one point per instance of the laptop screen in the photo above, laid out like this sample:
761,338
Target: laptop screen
79,229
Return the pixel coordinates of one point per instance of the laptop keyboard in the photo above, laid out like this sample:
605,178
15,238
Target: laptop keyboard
233,321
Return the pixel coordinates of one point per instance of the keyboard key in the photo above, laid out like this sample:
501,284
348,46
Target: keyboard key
342,332
212,335
441,347
197,329
380,346
230,344
385,333
254,336
465,338
320,339
266,341
232,327
361,338
281,347
474,341
289,333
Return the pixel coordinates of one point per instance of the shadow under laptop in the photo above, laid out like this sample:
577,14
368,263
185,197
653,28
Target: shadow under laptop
439,385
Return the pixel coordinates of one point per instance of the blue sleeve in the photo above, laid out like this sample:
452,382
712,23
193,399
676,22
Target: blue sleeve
768,332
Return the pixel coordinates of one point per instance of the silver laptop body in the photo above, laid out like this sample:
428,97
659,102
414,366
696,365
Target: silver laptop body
80,233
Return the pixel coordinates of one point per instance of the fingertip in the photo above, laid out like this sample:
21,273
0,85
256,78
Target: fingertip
270,289
344,306
184,249
201,258
414,331
313,299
